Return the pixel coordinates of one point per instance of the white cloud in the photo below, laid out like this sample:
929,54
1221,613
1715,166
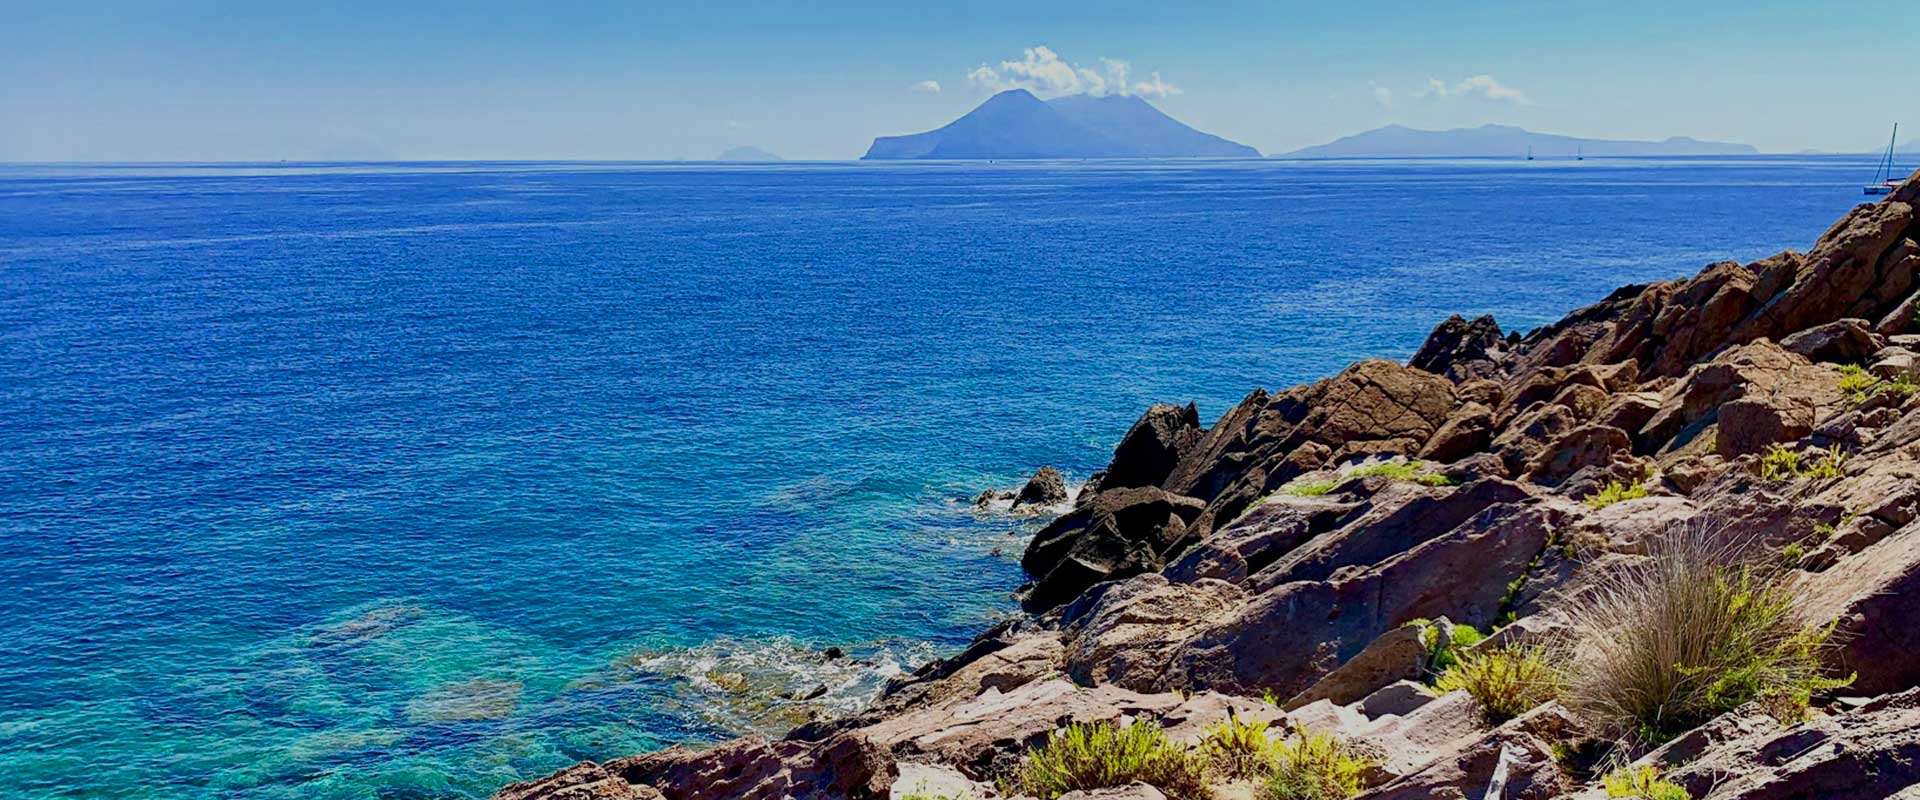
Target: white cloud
1382,95
926,87
1042,71
1484,87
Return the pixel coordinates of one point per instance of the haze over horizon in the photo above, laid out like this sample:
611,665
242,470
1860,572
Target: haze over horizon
209,81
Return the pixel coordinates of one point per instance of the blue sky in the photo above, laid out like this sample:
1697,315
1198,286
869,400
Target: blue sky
606,80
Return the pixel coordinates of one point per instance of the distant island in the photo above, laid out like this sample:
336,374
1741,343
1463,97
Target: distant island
1016,124
1396,141
747,153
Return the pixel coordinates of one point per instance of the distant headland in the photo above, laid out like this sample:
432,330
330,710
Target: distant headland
1502,141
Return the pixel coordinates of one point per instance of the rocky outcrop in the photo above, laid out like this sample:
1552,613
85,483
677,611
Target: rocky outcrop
1284,550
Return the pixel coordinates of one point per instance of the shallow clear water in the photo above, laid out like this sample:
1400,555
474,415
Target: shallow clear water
407,481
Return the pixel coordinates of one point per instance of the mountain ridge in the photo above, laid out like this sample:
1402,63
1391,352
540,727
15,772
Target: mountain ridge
1490,140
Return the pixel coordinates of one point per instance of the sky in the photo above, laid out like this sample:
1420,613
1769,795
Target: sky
213,81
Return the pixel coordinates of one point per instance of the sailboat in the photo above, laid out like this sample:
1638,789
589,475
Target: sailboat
1576,154
1529,152
1883,179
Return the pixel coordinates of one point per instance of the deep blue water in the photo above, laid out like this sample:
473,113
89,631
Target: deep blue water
407,481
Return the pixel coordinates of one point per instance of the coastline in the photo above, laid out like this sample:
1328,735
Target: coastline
1271,554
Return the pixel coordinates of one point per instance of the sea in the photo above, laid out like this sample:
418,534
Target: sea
411,480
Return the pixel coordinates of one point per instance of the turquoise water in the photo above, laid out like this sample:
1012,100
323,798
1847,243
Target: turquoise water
406,481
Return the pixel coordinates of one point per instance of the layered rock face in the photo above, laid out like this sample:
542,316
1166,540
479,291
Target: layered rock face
1284,550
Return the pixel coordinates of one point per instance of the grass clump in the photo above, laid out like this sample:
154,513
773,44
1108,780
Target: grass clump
1615,492
1444,652
1236,749
1506,682
1313,766
1856,383
1782,463
1311,488
1697,628
1642,783
1101,755
1414,471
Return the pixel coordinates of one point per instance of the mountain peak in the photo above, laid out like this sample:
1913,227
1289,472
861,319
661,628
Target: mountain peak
1016,124
1502,141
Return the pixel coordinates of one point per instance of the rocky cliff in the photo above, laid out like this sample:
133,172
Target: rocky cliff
1296,561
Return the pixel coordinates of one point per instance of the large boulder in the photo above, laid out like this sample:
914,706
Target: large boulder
1132,629
1394,525
1867,752
1153,447
1844,341
1785,384
1582,447
1874,597
1121,533
1462,350
1047,487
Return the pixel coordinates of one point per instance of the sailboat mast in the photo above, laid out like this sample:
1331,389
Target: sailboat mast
1891,141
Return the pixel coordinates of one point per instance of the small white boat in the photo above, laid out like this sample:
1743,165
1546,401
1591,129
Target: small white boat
1883,179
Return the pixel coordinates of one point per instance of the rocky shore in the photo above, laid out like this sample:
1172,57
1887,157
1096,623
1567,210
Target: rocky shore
1313,559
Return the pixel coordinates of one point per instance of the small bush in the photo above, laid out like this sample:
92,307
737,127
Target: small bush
1784,463
1615,492
1697,628
1901,387
1101,755
1506,682
1310,488
1793,555
1642,783
1856,383
1415,471
1237,750
1444,653
1314,766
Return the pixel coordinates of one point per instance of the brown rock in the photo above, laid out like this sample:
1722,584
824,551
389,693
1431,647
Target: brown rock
848,765
1397,655
1582,447
1047,487
1153,447
1875,596
1133,629
1462,350
1895,363
1842,341
1396,524
583,781
1868,752
1122,533
1469,429
1465,767
1131,791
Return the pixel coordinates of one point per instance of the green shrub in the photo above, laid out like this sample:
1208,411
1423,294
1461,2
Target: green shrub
1784,463
1314,766
1443,653
1310,488
1237,750
1642,783
1615,492
1415,471
1856,383
1901,386
1506,682
1697,628
1793,555
1101,755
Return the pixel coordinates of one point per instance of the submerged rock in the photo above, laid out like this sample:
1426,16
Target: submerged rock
1047,487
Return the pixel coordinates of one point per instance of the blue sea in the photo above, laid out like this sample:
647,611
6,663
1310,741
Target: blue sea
407,481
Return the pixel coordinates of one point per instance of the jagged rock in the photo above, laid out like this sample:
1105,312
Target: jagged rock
1047,487
1131,791
1839,276
1868,752
1412,516
983,735
989,498
1122,533
1153,446
1895,363
1395,656
1462,350
1464,767
1375,400
936,781
1292,633
1531,433
1875,596
1398,699
1405,743
583,781
1629,411
849,765
1842,341
1797,391
990,663
1260,537
1582,447
1467,430
1189,722
1131,631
